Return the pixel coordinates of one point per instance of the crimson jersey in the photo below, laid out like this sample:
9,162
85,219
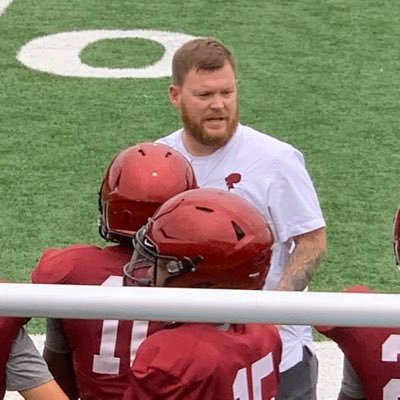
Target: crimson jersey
102,350
9,328
373,353
202,361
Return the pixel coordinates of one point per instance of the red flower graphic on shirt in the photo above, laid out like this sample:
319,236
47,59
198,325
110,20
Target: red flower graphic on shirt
231,179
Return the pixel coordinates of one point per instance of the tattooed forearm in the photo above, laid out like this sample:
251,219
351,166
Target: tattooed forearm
298,275
304,261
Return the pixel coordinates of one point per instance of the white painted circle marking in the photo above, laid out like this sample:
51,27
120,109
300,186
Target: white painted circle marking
59,53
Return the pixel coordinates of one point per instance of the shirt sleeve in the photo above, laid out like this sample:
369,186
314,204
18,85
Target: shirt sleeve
55,337
294,203
351,385
25,368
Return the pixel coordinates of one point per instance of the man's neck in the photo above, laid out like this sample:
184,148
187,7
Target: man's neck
196,149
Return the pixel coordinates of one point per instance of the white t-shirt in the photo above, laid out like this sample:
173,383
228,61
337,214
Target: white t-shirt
270,174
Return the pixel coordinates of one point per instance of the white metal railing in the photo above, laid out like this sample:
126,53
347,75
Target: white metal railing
196,305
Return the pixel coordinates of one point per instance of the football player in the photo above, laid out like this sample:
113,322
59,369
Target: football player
91,359
371,368
206,238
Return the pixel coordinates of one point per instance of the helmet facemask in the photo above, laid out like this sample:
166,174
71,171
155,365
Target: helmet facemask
146,255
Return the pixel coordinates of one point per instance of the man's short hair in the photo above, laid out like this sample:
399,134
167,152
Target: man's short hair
207,54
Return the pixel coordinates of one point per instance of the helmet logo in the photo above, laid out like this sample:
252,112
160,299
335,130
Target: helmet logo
147,243
231,179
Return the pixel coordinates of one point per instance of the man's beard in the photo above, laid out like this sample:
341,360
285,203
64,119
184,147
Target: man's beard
199,133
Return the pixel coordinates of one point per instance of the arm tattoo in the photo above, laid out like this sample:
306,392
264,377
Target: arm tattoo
304,261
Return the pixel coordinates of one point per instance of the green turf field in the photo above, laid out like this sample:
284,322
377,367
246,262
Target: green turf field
323,75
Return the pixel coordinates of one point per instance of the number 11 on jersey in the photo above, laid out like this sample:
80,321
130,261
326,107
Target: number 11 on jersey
105,362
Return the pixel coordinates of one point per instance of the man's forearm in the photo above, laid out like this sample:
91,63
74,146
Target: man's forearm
304,261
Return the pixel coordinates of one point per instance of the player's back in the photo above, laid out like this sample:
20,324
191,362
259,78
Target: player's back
373,353
102,350
207,361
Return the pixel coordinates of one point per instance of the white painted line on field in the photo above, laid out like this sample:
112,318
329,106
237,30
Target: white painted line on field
3,5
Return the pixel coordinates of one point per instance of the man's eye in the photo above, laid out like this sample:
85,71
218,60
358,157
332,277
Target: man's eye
227,93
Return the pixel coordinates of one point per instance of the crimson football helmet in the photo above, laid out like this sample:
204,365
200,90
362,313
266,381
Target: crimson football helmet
396,237
138,180
204,238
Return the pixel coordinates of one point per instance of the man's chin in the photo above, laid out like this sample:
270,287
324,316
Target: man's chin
213,139
220,135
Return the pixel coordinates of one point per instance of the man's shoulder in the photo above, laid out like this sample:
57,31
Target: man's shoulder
251,140
159,350
185,333
75,262
205,343
173,139
179,360
260,150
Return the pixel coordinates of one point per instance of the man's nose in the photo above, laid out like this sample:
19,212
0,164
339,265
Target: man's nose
217,102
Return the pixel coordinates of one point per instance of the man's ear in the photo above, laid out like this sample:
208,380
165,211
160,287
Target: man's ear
175,95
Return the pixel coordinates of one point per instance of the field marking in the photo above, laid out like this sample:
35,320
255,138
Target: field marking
3,6
59,53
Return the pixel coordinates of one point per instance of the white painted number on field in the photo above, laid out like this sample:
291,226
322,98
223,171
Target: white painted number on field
59,54
3,5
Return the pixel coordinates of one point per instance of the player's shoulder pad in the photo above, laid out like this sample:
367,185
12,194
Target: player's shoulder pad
158,353
57,264
359,289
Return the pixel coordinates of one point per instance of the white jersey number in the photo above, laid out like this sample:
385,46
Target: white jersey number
259,370
105,362
390,352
